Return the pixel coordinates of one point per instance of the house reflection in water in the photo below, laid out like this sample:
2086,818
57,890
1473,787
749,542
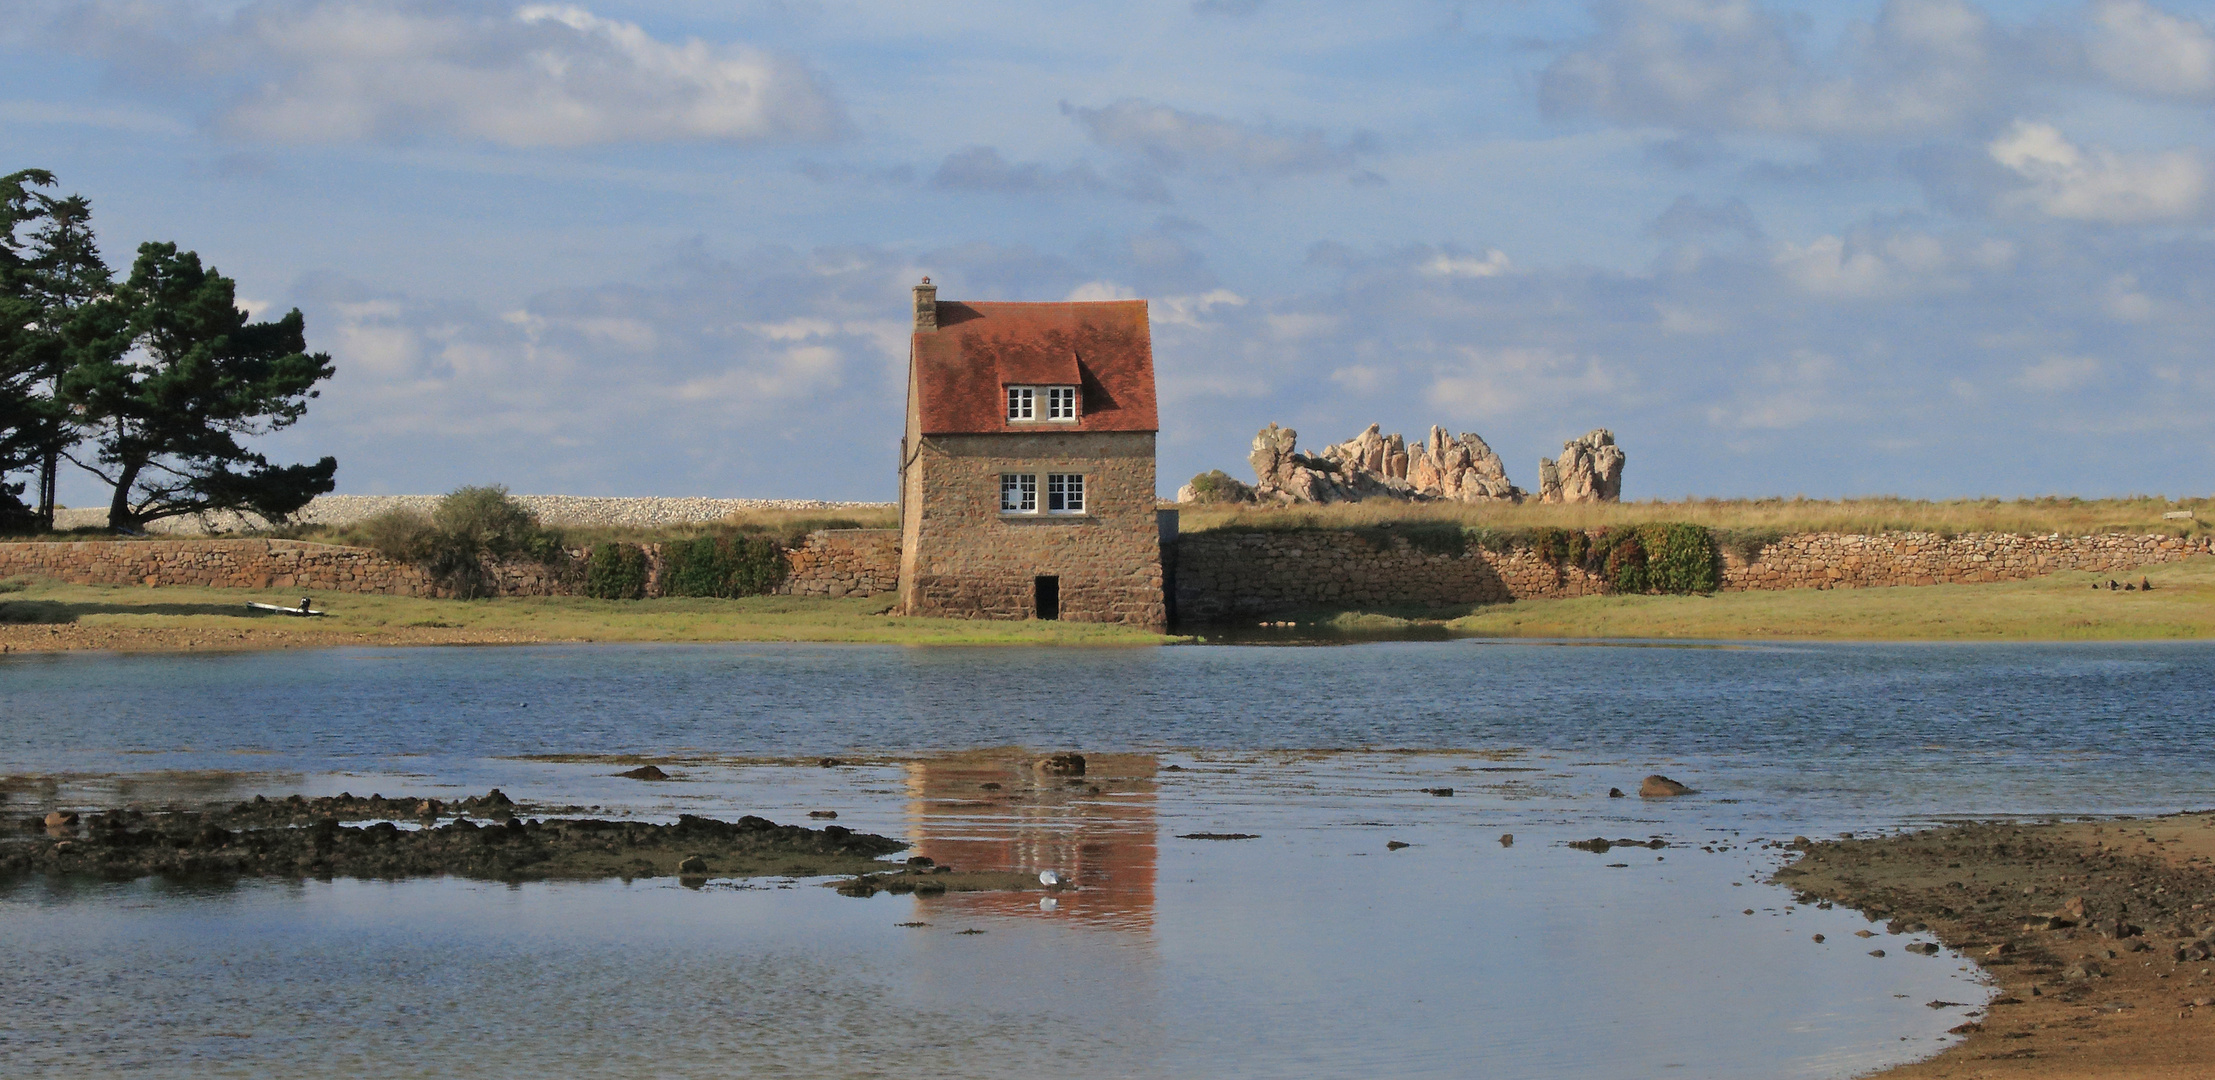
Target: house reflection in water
1000,812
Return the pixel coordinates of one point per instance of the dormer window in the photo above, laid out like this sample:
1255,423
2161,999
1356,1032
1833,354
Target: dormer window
1050,404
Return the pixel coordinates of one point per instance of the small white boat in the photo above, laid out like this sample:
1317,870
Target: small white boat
302,610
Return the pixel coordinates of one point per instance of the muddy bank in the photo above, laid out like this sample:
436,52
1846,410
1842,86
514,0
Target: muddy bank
2098,937
487,837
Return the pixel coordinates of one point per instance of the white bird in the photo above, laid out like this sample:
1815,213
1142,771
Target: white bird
1048,878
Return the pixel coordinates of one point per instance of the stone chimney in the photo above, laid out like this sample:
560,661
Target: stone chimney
926,306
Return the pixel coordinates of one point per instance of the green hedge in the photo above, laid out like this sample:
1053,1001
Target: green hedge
722,566
1665,557
616,572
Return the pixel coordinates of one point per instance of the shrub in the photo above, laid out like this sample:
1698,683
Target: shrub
616,571
1217,486
1680,558
1666,557
1747,543
400,533
467,527
722,566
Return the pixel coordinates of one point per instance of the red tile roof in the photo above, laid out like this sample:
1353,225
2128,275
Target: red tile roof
979,348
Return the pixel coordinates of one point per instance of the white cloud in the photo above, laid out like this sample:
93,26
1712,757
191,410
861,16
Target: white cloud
2064,181
1192,311
1488,382
320,71
1828,266
1101,290
1723,65
1173,140
1445,264
2055,374
2144,48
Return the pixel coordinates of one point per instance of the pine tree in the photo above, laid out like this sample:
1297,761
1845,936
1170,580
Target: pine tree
168,376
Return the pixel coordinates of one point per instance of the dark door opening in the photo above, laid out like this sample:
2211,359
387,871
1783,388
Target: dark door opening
1048,597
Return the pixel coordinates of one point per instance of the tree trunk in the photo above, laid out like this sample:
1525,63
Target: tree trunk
48,465
120,515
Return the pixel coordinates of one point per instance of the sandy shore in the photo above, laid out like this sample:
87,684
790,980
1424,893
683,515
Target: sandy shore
2096,934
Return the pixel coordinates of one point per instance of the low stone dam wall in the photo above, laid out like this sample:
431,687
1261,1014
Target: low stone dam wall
842,562
1228,575
1217,575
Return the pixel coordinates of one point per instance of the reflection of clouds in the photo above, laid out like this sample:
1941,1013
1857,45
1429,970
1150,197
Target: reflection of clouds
1097,831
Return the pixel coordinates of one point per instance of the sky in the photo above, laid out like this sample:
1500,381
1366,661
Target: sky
1932,248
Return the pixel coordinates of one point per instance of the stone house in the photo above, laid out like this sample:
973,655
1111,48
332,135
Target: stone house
1027,467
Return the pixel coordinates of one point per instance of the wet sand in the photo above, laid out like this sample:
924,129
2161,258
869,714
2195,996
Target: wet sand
2096,934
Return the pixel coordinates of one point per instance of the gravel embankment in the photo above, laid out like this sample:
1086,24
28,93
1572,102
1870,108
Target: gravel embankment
567,510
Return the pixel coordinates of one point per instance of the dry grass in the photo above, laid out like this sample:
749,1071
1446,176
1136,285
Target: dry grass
2032,517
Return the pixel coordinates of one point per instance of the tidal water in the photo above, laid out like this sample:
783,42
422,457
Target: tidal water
1313,949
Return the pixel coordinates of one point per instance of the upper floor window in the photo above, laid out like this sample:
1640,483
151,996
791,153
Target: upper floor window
1059,407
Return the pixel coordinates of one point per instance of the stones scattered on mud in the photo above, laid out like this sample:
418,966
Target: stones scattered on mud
301,838
1658,786
1600,845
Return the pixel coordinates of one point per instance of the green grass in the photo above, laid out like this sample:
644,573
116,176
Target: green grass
404,619
2062,607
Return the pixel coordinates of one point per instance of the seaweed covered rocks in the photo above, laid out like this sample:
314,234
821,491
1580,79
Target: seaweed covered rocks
295,838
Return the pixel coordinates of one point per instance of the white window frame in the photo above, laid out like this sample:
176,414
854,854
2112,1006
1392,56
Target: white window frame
1059,489
1019,493
1061,404
1042,404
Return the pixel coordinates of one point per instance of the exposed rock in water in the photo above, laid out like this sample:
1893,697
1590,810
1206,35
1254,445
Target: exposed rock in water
1062,765
1590,469
1658,786
645,772
290,838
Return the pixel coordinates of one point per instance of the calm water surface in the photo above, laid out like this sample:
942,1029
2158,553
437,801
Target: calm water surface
1311,950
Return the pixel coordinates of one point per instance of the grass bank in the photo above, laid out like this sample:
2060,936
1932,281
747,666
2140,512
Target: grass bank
44,616
1772,517
2062,607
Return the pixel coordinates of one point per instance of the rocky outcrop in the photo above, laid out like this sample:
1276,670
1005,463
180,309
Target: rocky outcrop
1590,469
1373,465
1283,474
1459,470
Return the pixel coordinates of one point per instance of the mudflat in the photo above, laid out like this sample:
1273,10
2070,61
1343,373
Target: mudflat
2098,936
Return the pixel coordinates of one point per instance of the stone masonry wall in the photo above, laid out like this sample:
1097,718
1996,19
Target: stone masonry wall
844,562
1833,561
962,557
1224,575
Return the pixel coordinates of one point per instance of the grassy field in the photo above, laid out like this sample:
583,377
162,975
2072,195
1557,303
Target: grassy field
2062,607
42,615
2072,517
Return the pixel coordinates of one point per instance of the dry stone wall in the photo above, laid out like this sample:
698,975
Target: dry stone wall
845,562
1834,561
1229,575
1224,575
